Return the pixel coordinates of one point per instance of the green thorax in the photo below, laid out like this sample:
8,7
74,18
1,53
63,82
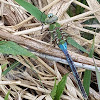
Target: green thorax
56,33
55,28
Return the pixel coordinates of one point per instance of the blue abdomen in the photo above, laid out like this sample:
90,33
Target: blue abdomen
63,46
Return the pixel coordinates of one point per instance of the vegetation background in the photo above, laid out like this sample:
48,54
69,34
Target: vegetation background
24,76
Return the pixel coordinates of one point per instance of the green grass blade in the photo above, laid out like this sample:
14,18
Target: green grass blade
87,74
40,16
60,87
3,66
76,45
6,97
98,77
86,81
16,63
53,92
9,47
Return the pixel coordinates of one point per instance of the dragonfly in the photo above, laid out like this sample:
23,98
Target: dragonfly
58,37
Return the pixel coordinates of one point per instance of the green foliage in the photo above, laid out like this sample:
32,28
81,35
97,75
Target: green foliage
97,71
87,35
76,9
87,74
53,26
58,89
32,10
98,1
79,9
98,77
53,92
3,66
6,97
9,47
16,63
87,80
90,22
70,13
75,44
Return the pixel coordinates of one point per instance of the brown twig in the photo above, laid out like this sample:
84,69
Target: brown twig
45,48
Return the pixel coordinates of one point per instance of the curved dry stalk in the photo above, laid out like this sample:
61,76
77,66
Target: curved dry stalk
78,16
82,5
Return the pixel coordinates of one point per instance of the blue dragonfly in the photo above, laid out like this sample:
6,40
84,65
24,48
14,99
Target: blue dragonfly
58,37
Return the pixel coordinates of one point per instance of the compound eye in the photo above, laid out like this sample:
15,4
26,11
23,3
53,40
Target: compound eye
50,15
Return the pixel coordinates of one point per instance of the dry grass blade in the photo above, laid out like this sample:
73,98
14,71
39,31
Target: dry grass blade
94,5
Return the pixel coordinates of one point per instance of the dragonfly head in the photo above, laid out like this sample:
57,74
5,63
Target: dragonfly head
51,18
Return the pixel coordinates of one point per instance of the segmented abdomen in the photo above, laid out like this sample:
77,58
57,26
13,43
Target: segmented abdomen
57,38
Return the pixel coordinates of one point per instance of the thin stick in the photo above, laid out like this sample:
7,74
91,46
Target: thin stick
63,61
